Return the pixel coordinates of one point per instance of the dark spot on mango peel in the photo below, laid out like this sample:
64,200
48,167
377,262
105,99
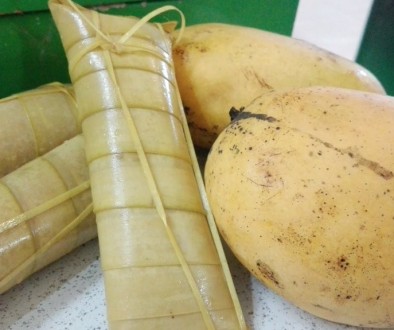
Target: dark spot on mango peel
322,307
240,114
359,159
234,112
268,274
343,263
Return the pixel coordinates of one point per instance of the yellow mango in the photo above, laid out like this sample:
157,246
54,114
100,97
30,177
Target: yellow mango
220,66
301,185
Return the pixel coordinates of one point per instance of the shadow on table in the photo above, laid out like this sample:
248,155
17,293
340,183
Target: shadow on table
242,282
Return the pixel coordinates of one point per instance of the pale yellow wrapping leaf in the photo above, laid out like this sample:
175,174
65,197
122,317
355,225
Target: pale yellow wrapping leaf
162,262
45,212
34,122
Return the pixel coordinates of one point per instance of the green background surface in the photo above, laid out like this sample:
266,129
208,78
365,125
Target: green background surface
31,53
377,49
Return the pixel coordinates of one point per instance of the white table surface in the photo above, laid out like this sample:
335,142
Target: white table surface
69,294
